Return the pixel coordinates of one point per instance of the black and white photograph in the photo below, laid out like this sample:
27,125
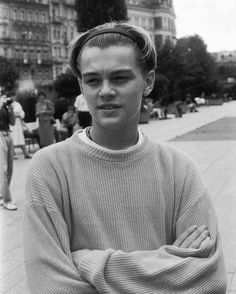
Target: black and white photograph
117,147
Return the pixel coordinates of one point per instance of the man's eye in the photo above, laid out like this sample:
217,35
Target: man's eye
92,81
120,78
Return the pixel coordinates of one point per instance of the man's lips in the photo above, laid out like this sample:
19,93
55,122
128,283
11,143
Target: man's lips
109,106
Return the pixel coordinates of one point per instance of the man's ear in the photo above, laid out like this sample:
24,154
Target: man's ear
149,82
80,85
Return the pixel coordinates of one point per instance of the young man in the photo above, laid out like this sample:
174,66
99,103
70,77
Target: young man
110,211
7,118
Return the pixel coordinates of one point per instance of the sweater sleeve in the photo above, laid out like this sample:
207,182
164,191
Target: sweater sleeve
167,270
48,262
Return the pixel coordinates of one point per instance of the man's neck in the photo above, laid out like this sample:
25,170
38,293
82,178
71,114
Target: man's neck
114,139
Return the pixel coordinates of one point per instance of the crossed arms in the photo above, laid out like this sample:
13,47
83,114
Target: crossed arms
193,263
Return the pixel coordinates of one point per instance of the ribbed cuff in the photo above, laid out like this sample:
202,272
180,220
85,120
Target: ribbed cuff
93,264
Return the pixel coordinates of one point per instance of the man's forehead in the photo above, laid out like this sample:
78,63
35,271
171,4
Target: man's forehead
97,54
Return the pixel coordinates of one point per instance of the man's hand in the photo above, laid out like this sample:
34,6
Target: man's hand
192,237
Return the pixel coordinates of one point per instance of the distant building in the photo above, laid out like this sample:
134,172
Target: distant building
62,30
225,57
156,16
25,38
226,61
35,33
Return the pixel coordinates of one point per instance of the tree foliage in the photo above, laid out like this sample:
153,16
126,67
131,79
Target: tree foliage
94,12
8,74
188,67
66,85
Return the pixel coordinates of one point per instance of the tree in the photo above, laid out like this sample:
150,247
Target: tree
198,72
94,12
172,68
8,74
66,85
188,67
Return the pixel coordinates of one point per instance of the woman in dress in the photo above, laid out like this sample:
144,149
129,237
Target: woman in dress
17,130
44,112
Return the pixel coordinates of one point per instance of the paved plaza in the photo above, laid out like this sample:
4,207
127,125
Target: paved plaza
215,157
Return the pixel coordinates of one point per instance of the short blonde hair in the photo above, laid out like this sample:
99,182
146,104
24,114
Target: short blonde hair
111,34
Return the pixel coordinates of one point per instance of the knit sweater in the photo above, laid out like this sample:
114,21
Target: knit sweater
127,208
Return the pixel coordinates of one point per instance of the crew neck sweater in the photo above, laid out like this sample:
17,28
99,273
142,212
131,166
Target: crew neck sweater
127,208
84,137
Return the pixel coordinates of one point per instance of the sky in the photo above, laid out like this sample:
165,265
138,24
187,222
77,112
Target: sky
213,20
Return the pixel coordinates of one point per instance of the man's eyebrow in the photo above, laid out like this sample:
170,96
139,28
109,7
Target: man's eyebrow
91,73
114,72
122,71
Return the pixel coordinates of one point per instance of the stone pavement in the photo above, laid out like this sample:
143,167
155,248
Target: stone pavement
215,159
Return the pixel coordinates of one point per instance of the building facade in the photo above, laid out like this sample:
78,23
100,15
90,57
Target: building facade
156,16
62,29
25,39
35,33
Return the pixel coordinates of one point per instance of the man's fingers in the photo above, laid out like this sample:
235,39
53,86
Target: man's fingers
193,237
183,236
197,243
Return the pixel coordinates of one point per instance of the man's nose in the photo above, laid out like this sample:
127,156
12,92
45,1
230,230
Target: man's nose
107,90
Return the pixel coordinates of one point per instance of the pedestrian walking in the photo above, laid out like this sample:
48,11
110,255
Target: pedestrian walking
7,118
84,117
108,210
44,112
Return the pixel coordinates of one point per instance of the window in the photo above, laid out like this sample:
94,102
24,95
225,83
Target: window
31,53
24,35
29,16
22,15
17,53
43,18
14,14
159,40
5,52
4,31
158,23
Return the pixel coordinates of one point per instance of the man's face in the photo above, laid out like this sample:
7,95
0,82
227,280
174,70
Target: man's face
113,85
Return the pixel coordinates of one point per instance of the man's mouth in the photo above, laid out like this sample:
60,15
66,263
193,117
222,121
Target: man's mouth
109,106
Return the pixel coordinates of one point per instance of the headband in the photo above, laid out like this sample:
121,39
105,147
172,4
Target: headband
109,30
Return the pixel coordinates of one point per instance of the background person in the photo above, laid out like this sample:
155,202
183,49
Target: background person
110,211
68,122
7,118
17,130
84,117
69,119
44,111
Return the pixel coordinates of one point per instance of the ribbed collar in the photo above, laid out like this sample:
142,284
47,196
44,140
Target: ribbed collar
109,156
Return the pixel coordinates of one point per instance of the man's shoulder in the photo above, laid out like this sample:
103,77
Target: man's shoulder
169,152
